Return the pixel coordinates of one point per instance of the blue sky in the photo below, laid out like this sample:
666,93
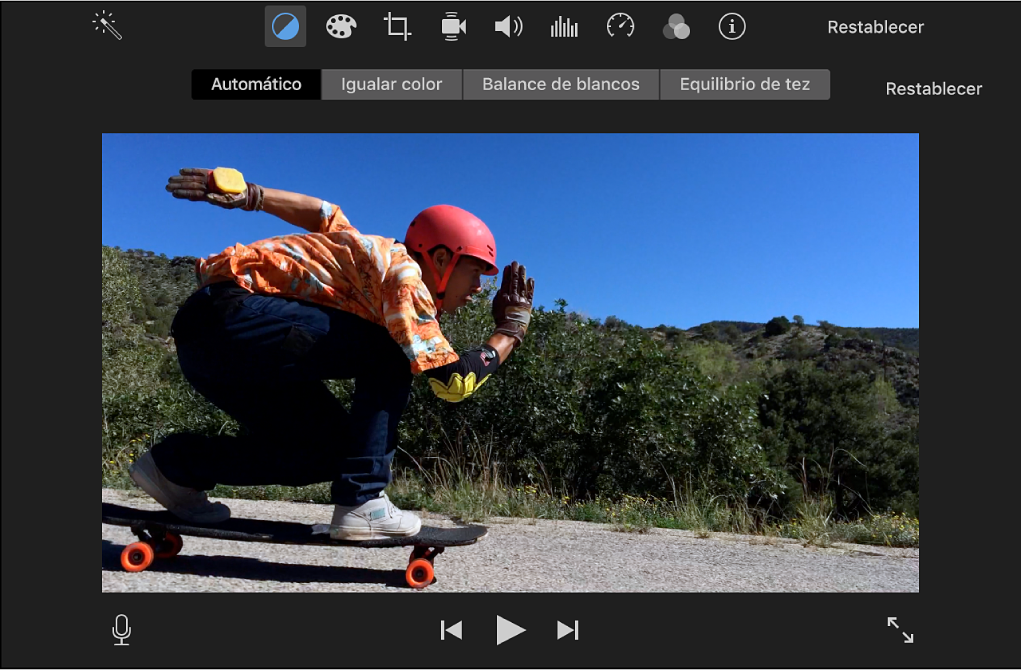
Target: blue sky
674,229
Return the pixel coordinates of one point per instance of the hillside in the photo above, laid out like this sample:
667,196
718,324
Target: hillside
813,343
831,347
590,409
905,339
164,284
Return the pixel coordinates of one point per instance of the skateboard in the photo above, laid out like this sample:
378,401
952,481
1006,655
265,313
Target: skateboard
159,536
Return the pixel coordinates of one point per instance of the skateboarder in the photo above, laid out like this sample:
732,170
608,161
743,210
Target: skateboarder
274,318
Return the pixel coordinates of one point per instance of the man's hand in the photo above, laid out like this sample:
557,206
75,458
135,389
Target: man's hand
196,184
512,306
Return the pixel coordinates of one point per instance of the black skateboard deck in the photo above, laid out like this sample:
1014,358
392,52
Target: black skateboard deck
159,534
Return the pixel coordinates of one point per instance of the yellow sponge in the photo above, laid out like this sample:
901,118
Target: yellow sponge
229,180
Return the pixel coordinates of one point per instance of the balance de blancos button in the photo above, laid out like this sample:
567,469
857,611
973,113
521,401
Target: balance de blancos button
391,84
745,84
561,84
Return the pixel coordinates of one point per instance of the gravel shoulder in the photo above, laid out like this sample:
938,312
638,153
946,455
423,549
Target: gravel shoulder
517,555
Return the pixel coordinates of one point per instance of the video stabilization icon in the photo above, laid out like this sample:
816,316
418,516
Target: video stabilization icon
452,27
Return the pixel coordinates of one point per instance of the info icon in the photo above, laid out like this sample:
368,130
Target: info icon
285,26
732,26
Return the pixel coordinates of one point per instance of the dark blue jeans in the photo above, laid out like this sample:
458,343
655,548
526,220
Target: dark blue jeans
262,359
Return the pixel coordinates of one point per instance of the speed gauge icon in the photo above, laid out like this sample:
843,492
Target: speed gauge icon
620,25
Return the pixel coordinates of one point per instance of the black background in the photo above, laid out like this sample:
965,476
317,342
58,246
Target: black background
64,84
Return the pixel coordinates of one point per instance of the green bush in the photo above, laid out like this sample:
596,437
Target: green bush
797,348
830,433
581,410
778,325
589,411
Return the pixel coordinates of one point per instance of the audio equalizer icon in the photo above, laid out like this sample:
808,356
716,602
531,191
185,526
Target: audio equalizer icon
563,28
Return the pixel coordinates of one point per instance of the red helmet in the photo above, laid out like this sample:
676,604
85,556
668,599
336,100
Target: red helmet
460,231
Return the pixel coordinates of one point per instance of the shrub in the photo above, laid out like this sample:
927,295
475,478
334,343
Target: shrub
830,433
778,325
580,410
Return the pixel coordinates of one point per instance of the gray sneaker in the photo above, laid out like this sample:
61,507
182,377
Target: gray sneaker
189,504
377,519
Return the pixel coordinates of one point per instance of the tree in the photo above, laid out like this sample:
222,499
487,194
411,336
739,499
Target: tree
831,432
800,320
778,325
707,331
732,333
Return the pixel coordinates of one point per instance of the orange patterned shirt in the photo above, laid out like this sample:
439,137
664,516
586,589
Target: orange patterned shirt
367,275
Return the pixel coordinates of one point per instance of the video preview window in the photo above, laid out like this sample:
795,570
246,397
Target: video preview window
329,359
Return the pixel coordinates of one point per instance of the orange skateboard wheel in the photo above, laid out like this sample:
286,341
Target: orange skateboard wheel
137,556
176,544
419,573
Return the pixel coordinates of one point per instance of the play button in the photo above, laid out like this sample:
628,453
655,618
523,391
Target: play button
505,630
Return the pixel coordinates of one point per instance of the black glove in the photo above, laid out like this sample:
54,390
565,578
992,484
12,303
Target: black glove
197,184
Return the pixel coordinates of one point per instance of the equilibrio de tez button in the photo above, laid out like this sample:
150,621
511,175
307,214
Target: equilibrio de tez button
256,84
745,85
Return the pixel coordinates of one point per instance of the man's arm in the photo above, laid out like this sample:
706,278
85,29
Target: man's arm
454,382
294,208
199,184
504,345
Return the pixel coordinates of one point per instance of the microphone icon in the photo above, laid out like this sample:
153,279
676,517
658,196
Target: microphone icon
121,636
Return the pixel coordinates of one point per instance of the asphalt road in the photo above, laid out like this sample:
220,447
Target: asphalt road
516,555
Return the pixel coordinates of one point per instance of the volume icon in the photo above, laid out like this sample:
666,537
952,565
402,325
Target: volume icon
508,28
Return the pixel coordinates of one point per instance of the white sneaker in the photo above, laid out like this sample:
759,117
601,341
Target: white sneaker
377,519
189,504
